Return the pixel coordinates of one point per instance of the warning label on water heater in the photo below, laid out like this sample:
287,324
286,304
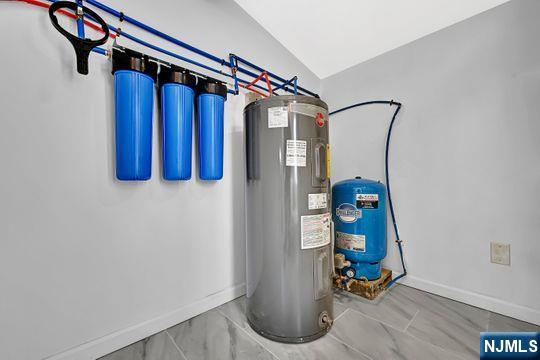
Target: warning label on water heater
350,241
317,201
278,117
315,230
296,153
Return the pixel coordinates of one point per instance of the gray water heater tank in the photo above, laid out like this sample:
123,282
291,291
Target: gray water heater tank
288,220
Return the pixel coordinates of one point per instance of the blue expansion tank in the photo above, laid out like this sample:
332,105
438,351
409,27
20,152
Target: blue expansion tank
359,214
210,111
134,78
177,96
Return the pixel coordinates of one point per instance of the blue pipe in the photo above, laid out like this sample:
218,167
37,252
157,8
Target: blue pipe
180,43
253,75
167,52
398,239
233,71
285,84
100,51
80,21
155,31
387,175
180,57
170,53
258,68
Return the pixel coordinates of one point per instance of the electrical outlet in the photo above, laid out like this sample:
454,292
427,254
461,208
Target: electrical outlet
500,253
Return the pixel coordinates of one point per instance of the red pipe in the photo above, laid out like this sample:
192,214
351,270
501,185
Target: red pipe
268,83
265,75
68,14
254,90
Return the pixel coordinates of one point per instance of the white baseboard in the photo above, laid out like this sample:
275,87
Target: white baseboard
119,339
111,342
468,297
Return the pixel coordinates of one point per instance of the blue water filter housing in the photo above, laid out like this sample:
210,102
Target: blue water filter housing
359,215
177,97
210,111
134,78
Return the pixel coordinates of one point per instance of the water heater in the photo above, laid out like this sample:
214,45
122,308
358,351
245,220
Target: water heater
289,251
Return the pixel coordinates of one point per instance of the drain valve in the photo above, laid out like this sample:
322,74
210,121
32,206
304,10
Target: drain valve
325,321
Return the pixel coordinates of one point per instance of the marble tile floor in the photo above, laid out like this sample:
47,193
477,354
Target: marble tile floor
403,323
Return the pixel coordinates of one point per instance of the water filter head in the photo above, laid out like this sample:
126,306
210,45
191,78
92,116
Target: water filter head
176,75
126,59
212,86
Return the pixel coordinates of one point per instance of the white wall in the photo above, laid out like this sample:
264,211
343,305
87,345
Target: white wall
464,155
89,263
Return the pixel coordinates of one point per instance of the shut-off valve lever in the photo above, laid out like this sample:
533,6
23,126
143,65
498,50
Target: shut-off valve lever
82,46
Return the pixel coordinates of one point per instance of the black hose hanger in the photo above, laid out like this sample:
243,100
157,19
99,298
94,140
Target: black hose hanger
82,46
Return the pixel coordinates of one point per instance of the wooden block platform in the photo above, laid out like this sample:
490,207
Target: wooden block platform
365,288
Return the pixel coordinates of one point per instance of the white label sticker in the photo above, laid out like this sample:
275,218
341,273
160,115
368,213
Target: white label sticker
296,153
350,241
278,117
367,197
317,201
315,230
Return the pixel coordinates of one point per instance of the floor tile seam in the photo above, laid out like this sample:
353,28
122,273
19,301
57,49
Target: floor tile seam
176,345
412,319
348,346
340,315
247,333
377,320
409,334
450,351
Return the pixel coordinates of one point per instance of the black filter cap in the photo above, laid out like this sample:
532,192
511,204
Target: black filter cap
126,59
177,75
212,86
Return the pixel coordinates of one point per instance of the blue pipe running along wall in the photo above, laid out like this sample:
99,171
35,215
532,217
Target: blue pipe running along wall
281,83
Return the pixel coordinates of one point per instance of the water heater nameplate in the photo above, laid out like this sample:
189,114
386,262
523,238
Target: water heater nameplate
317,201
355,242
296,153
315,230
278,117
